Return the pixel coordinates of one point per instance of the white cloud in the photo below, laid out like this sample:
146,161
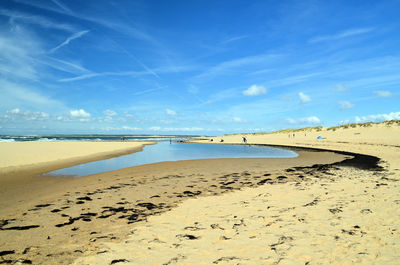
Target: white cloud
239,120
170,112
340,88
110,113
16,114
184,129
306,120
304,98
123,128
155,128
14,111
80,114
345,105
383,93
128,128
344,122
379,117
255,90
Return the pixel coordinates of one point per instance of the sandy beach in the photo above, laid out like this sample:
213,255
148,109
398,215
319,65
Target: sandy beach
318,208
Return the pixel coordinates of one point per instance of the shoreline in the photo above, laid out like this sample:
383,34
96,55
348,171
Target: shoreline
359,160
76,158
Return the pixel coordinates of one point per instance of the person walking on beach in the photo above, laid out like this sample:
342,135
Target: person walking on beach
244,139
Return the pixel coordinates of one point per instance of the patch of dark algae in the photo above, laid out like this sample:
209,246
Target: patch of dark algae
359,161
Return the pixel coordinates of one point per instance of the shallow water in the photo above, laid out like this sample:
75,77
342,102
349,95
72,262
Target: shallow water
165,151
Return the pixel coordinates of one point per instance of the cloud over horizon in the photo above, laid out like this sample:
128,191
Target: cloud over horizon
255,90
307,120
170,112
379,117
304,98
383,93
343,105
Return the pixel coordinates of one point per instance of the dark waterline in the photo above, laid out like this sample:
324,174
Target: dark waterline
166,151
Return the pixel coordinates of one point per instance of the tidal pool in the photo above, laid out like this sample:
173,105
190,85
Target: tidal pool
166,151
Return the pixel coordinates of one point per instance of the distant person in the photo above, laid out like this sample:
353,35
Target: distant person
294,135
244,139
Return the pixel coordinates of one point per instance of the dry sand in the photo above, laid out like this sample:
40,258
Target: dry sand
15,156
221,211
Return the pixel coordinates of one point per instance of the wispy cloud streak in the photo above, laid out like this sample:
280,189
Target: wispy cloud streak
69,39
120,27
228,65
62,6
341,35
234,39
35,20
150,71
87,76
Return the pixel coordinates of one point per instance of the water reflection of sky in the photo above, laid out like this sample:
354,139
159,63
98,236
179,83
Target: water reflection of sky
165,151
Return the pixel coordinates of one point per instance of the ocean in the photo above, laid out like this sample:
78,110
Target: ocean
91,137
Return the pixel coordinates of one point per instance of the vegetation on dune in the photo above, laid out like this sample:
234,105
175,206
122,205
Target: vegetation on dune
365,124
307,129
333,128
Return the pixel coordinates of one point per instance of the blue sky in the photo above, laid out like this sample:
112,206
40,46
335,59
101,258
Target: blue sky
196,67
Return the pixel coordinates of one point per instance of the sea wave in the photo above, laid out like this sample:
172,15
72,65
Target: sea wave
6,140
46,140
